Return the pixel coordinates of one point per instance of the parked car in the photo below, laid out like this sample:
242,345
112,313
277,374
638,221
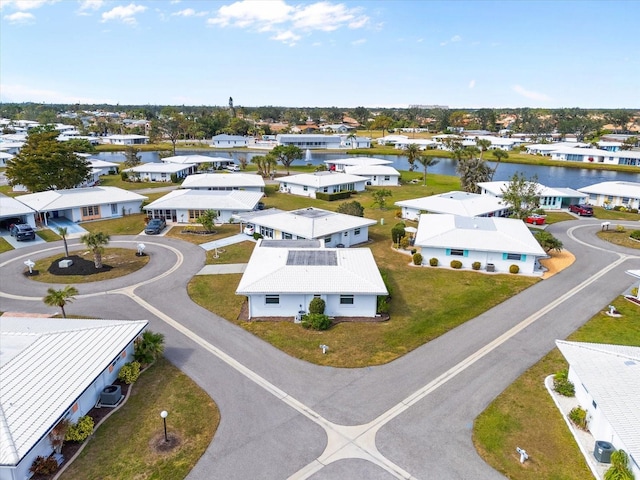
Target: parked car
249,230
260,206
536,219
232,167
155,226
22,231
582,210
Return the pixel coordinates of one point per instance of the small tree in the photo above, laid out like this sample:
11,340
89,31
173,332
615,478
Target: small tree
62,231
59,298
351,208
96,242
413,153
548,242
619,469
208,219
132,159
317,305
397,232
380,197
148,347
521,195
286,154
426,162
57,434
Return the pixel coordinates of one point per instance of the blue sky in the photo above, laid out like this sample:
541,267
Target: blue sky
322,53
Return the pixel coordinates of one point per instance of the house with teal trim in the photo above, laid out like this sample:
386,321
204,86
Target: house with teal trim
495,242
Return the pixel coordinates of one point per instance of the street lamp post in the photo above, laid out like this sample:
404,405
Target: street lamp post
164,414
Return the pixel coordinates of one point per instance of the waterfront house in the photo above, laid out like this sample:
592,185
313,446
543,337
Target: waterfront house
129,139
310,141
612,194
454,203
551,198
230,141
308,184
160,172
224,181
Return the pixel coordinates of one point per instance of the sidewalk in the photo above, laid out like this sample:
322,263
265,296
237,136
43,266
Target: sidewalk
223,242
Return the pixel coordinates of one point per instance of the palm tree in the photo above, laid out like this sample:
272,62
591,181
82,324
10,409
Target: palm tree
500,155
426,163
59,298
483,144
472,171
352,137
96,242
62,231
413,152
149,347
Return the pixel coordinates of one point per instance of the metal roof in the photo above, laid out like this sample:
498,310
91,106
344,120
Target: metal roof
231,180
616,189
45,366
160,168
10,207
207,200
321,179
456,203
77,197
611,374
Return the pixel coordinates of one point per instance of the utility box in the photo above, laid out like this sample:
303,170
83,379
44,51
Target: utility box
66,263
602,451
491,267
110,395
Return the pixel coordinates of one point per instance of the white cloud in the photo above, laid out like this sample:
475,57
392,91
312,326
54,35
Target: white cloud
530,94
19,18
91,5
454,39
125,14
23,5
188,12
288,20
360,41
21,93
472,84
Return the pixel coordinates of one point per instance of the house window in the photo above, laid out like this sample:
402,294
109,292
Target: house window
625,200
456,251
387,178
346,299
287,236
327,239
91,211
114,208
346,234
356,231
305,188
325,189
272,299
266,232
513,256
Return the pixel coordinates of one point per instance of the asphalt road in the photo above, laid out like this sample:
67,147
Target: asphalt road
284,418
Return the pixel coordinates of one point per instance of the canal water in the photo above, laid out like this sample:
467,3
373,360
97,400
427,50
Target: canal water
550,176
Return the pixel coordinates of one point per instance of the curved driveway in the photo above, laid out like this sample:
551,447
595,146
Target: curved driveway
284,418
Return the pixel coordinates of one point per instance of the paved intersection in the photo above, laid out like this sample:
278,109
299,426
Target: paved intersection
283,418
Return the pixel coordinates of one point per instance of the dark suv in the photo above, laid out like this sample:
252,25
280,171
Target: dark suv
22,231
582,210
155,226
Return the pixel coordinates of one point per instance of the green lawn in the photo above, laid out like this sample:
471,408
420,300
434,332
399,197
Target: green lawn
127,225
619,237
48,235
121,447
4,246
604,214
525,415
116,181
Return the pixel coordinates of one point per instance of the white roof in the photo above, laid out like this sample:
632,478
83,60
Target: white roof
497,188
77,197
485,234
611,374
194,159
321,179
582,151
160,168
347,271
617,189
221,180
6,155
125,137
10,207
45,366
371,170
456,203
235,200
359,161
309,223
97,163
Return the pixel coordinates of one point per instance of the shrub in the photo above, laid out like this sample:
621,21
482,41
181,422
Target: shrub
79,432
620,208
174,178
397,232
316,321
332,196
44,466
383,304
433,262
317,306
257,236
514,269
413,250
124,176
399,213
129,372
634,291
457,264
633,210
417,258
579,417
562,385
404,243
635,234
385,278
476,265
619,229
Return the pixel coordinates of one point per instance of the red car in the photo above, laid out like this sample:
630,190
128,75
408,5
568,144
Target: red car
535,219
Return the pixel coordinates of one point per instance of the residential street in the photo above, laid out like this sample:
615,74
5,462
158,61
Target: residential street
284,418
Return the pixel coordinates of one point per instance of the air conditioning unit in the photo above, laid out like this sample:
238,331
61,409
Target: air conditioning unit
110,395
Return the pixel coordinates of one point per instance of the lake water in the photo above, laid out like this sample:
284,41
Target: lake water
549,176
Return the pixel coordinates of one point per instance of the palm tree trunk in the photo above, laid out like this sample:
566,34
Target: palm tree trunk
97,259
64,314
425,176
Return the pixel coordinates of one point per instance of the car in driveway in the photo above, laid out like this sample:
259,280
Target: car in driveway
582,210
22,231
536,219
155,226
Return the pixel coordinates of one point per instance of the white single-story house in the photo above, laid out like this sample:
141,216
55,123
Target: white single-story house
230,141
546,148
422,143
11,208
4,156
495,242
224,181
216,162
102,167
309,224
611,194
455,203
551,198
356,142
308,184
129,139
607,387
12,148
392,139
310,141
52,369
381,175
282,277
83,204
340,164
160,172
337,128
186,206
596,155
